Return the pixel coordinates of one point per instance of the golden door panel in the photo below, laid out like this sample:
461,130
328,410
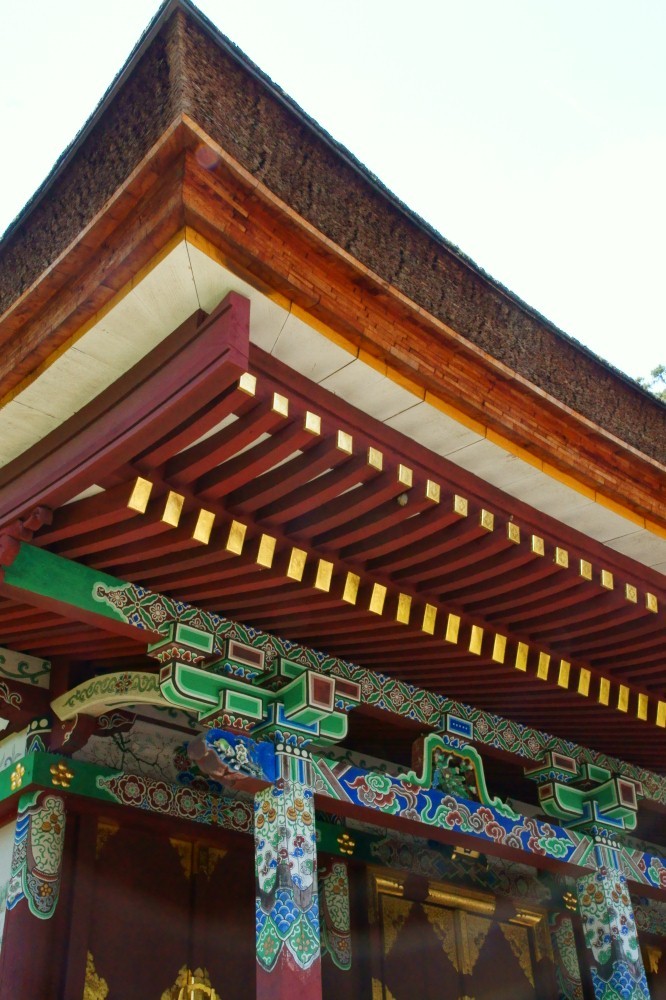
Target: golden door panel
447,946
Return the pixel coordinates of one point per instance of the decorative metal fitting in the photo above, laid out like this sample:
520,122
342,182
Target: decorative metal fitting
61,776
16,777
346,844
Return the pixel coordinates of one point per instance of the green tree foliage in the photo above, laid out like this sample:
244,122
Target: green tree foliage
656,382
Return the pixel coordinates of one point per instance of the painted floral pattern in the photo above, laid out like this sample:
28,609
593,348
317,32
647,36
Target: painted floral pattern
608,920
180,801
37,857
138,606
334,913
287,910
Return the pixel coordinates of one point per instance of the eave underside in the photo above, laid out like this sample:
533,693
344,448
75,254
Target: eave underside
308,495
499,567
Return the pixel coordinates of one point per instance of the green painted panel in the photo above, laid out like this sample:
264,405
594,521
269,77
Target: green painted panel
294,698
49,575
290,668
334,727
189,636
244,704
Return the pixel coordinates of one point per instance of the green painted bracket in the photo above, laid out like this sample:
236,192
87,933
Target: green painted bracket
583,795
195,641
554,766
613,803
306,704
187,686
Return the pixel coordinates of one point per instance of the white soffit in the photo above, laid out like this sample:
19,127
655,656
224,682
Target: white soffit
494,464
187,279
435,430
382,398
316,360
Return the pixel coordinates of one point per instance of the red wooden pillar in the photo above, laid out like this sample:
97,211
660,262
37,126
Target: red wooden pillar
287,908
565,954
612,950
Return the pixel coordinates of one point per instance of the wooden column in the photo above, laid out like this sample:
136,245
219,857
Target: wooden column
287,909
612,949
565,954
32,945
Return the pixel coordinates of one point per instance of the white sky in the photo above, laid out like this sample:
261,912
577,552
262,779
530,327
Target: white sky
531,133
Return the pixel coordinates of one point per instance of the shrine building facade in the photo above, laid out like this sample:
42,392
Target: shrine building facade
332,584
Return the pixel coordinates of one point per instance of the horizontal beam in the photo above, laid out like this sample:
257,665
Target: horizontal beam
76,591
502,833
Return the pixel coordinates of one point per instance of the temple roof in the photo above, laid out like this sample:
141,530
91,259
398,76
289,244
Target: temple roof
411,424
238,105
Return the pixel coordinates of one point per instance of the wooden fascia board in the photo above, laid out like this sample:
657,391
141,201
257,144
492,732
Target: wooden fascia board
265,241
135,225
274,246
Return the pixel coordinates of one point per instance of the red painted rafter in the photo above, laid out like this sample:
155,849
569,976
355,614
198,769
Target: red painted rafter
304,489
193,364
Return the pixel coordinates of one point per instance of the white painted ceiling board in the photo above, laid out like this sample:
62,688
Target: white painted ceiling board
118,350
306,351
168,292
497,466
369,390
550,496
599,522
641,545
90,492
68,384
213,281
126,334
141,319
433,429
351,379
385,400
22,426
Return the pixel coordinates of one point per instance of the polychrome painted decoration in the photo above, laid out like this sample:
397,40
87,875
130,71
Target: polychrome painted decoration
224,755
287,910
585,795
409,797
449,765
179,801
610,935
335,917
206,635
37,858
567,969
